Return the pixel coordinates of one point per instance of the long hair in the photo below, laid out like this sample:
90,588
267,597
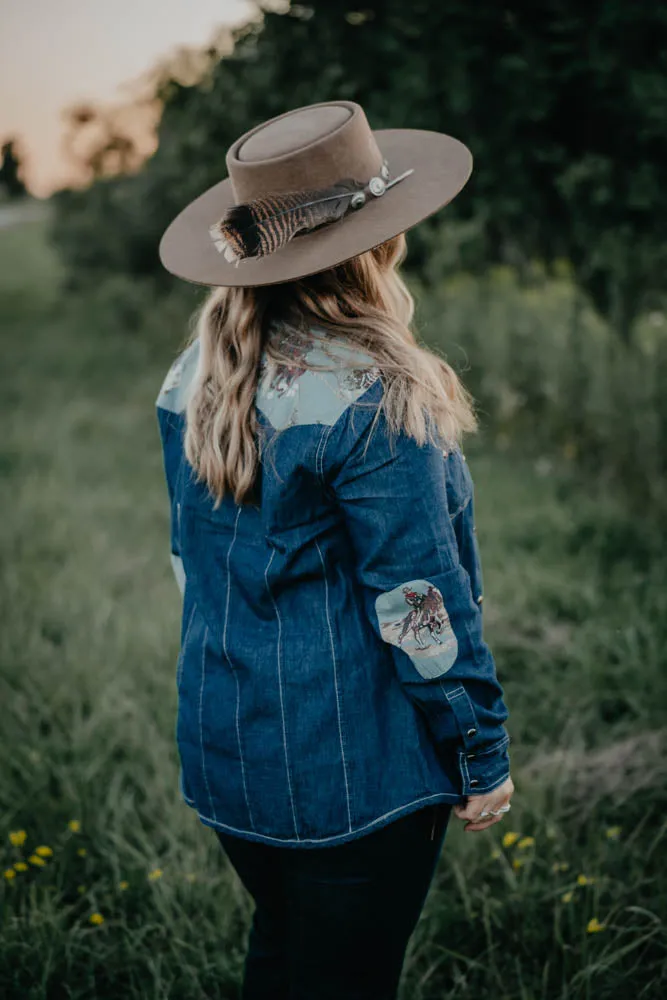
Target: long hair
365,301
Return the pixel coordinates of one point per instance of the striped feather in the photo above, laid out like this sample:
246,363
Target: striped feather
263,226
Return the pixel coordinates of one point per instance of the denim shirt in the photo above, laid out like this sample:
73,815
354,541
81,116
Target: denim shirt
332,674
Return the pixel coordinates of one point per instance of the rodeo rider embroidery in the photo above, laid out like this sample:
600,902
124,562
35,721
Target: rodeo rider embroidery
413,617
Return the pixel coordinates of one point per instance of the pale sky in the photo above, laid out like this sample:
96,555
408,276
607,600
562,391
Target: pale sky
56,53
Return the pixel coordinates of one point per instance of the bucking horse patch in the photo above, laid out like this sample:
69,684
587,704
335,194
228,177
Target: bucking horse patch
414,618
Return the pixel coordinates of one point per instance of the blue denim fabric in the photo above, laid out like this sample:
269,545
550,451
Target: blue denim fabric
332,674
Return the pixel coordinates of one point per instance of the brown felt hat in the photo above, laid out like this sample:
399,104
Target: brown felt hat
295,161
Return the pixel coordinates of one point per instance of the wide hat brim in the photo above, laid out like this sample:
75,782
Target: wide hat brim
441,167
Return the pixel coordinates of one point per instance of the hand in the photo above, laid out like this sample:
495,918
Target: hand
484,802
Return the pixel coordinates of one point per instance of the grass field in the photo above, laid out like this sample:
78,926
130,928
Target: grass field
132,898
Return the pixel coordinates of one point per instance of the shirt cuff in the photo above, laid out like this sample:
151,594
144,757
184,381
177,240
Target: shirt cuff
483,770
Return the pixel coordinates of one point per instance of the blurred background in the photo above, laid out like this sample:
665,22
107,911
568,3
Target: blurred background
543,283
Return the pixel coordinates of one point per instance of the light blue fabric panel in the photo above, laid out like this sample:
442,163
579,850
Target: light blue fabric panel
176,387
179,572
292,396
413,617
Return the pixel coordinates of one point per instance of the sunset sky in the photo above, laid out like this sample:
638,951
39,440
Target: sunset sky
56,53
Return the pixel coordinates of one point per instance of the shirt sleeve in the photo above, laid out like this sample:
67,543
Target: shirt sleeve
169,440
170,403
392,493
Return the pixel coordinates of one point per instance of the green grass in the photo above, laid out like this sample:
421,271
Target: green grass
89,641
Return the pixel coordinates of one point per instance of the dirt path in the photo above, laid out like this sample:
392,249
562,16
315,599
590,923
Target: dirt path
21,211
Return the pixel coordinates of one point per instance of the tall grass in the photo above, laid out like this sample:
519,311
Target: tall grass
548,371
88,644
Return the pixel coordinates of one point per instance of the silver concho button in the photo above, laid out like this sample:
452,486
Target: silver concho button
376,186
358,199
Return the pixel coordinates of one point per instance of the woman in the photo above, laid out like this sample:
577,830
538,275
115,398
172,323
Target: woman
336,697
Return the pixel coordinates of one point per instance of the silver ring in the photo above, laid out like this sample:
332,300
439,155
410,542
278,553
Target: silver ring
491,812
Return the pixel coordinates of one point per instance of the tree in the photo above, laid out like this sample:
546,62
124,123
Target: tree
10,171
562,105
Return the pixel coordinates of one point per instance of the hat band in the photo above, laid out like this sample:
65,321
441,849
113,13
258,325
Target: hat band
260,227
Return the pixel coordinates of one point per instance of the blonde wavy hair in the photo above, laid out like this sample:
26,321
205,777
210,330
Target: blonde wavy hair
366,302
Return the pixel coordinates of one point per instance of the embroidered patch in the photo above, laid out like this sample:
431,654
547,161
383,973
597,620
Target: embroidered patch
413,617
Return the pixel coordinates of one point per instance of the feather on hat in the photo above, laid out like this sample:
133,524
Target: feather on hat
284,211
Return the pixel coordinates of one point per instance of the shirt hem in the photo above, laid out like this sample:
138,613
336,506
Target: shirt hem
337,838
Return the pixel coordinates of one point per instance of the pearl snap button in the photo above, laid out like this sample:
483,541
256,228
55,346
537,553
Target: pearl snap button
480,598
473,782
471,732
471,756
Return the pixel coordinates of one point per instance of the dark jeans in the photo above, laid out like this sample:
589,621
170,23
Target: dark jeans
333,923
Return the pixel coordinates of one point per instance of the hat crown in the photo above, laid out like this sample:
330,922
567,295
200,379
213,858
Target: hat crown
309,148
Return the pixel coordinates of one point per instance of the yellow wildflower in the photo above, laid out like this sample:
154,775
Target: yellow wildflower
613,832
81,889
96,918
74,825
20,866
510,838
9,874
567,897
35,859
594,925
518,862
123,885
155,874
81,852
17,837
564,865
584,880
495,853
44,851
526,842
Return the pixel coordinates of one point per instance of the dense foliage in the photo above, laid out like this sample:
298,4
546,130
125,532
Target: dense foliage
563,105
11,182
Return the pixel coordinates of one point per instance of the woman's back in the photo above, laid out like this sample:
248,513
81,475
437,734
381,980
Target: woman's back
335,690
317,646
